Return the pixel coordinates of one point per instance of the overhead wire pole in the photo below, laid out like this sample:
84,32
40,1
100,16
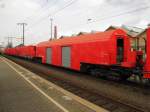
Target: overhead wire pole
51,28
9,41
23,29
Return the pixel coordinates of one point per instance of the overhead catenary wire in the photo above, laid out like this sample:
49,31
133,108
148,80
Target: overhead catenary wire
113,16
109,17
123,13
71,2
37,12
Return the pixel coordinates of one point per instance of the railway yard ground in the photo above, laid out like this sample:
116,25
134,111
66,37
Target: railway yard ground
32,87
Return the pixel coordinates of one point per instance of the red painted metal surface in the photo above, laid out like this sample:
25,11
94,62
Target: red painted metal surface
41,53
23,51
10,51
97,48
147,64
26,51
131,60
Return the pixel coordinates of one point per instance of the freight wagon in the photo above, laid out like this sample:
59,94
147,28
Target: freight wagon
22,51
98,53
103,53
26,51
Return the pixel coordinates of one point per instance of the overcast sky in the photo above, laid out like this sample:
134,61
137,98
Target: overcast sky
71,16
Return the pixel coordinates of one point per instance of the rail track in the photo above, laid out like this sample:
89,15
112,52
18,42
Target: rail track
89,92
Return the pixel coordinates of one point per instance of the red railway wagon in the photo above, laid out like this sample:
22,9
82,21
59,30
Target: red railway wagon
22,51
147,63
26,51
102,53
10,51
111,48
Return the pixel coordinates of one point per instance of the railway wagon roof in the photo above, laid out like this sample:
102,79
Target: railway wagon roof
93,37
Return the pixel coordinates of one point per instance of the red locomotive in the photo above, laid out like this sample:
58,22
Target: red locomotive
100,53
